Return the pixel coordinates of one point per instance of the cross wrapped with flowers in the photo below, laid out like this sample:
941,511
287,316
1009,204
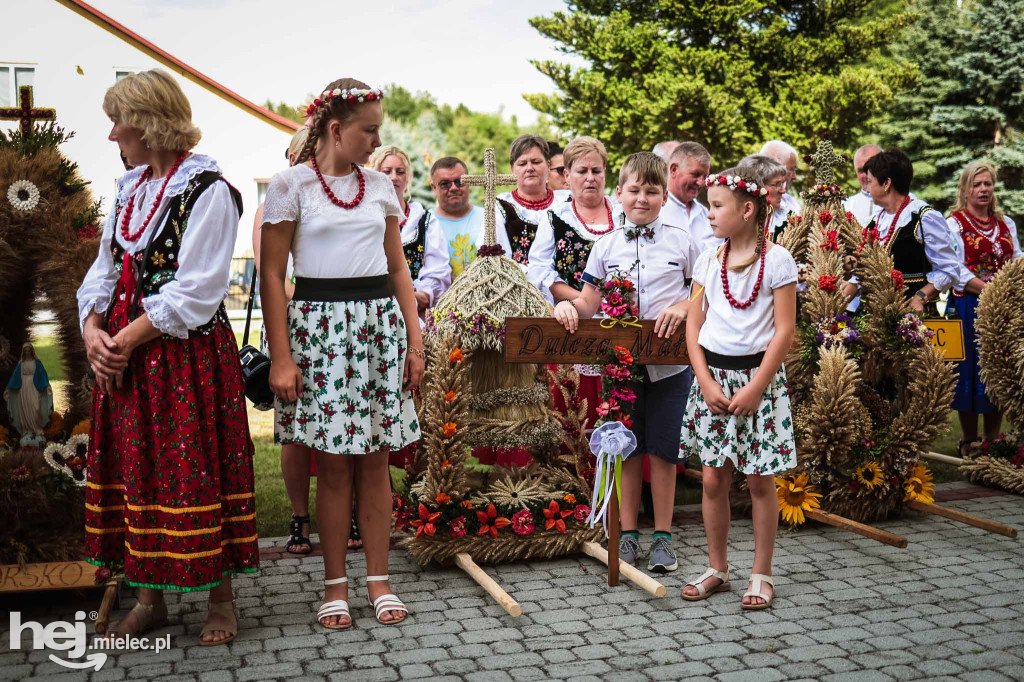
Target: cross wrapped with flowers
824,161
25,113
489,181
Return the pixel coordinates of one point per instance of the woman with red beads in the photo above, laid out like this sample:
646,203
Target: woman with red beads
986,239
740,327
170,475
567,231
346,351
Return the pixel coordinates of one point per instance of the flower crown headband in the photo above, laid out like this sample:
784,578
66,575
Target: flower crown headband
353,95
734,182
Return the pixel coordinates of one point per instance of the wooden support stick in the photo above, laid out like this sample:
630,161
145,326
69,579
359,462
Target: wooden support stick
942,458
867,531
955,515
637,577
613,539
106,606
466,563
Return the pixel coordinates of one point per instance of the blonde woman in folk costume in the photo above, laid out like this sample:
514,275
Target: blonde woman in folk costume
986,240
346,350
170,476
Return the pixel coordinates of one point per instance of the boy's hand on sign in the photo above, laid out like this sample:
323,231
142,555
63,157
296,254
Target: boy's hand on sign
671,319
565,312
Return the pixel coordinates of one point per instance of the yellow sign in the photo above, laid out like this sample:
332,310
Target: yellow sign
948,338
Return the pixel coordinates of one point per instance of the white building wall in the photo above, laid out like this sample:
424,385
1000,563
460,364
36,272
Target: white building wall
58,43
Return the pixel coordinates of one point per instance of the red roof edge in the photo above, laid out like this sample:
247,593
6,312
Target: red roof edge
126,34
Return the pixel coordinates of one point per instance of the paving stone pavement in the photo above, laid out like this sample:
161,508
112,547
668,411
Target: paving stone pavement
950,606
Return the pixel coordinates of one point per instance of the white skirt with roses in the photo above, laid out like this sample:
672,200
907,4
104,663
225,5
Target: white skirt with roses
352,357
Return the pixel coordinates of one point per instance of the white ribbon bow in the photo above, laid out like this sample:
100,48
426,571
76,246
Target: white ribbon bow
611,443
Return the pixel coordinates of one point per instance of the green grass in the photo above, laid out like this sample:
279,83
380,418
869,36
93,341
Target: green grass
48,352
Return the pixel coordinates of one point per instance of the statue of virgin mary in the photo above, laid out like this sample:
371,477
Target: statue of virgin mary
28,395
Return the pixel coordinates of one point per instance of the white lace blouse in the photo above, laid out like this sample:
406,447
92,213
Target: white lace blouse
204,260
330,241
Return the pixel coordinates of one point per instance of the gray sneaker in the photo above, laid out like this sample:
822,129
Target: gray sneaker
629,549
663,559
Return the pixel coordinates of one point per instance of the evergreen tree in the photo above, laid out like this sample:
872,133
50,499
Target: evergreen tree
730,75
970,103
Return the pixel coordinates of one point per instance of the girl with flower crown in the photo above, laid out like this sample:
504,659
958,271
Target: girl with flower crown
738,415
346,350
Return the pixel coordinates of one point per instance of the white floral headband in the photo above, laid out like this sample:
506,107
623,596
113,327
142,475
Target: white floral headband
353,95
734,182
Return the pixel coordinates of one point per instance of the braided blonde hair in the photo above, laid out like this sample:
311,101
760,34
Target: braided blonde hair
761,215
337,108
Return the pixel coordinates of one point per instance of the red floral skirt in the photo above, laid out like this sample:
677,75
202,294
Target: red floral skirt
169,488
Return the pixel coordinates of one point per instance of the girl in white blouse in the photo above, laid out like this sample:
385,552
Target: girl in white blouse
738,413
347,349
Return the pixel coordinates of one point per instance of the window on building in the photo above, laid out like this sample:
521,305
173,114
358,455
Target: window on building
121,74
12,77
261,189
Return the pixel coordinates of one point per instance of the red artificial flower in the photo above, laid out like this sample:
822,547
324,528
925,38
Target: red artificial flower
581,512
425,524
457,527
825,217
87,232
490,522
623,355
849,216
827,283
831,240
555,517
522,522
897,278
443,498
626,421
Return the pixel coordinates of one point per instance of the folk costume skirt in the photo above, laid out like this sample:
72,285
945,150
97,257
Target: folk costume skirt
970,389
351,354
169,488
762,443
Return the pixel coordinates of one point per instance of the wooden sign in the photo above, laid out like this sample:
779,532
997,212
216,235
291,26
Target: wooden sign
545,340
948,338
58,575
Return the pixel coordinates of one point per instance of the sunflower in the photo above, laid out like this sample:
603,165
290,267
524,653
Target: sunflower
919,485
870,474
795,497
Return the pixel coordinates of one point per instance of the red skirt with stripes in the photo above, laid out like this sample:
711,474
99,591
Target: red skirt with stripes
170,469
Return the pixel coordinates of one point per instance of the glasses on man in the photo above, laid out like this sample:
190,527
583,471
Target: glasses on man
445,185
559,169
779,186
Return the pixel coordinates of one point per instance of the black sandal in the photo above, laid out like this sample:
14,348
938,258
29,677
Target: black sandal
297,539
355,540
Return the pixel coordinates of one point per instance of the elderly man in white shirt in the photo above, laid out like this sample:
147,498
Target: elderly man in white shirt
787,156
861,205
688,166
663,150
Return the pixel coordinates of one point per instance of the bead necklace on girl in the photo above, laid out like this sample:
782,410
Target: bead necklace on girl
740,328
347,349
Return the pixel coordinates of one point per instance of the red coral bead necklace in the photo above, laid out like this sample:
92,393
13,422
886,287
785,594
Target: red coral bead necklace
538,205
725,278
607,208
146,175
330,195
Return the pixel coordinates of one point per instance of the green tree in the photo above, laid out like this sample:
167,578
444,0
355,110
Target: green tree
730,75
289,111
970,102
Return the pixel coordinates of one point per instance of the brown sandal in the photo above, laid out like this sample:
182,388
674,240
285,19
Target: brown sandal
221,616
148,616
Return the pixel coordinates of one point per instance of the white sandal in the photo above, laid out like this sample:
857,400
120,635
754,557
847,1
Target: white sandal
338,607
703,592
386,602
756,580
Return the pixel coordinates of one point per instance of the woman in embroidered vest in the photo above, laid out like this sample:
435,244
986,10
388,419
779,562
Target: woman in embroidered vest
170,476
566,233
519,211
346,350
987,240
425,250
912,231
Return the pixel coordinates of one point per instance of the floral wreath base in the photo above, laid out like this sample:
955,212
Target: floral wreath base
998,463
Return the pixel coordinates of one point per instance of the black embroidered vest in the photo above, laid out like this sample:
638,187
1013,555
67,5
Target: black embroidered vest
907,250
414,250
571,252
161,264
521,233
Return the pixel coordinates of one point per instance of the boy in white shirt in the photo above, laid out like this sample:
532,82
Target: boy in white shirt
657,258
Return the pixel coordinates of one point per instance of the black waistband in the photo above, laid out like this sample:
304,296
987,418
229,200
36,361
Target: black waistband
733,361
341,289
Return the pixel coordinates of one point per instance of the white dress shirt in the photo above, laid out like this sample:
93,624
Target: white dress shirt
694,218
658,268
862,206
958,243
435,274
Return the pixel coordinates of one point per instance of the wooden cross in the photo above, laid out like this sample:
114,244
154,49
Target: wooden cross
24,111
824,161
489,180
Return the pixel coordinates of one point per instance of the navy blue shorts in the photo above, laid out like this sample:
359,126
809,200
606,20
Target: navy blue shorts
658,415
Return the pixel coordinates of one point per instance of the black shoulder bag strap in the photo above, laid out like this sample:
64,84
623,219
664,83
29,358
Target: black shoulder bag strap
248,311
